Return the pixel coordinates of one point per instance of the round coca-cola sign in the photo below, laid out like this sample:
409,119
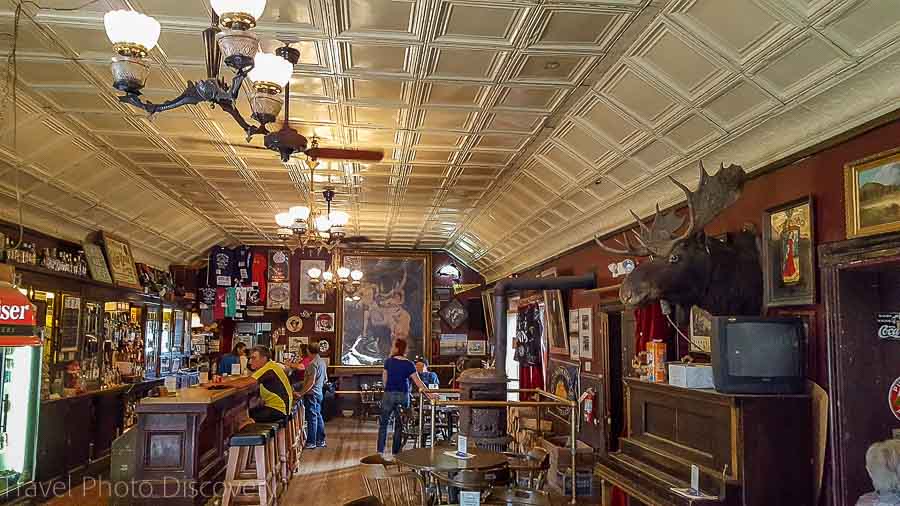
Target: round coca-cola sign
894,398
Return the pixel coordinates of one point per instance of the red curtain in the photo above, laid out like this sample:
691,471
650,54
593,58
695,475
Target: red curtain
530,376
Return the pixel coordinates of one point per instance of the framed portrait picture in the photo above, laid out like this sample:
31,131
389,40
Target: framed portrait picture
701,330
555,318
93,254
279,265
564,382
476,348
394,303
789,275
452,345
308,293
586,332
121,261
872,194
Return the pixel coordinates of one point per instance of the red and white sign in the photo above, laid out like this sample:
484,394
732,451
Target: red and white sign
894,398
17,319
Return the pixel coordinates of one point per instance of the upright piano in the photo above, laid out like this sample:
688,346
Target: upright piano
751,450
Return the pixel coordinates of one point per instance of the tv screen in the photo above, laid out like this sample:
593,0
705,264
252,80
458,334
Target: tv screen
757,355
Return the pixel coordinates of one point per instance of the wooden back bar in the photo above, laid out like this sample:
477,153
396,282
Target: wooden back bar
181,442
762,444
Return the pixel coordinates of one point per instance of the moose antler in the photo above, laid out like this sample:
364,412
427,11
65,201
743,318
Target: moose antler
713,194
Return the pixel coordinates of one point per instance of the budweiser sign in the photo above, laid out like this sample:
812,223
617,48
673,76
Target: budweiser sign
15,308
888,325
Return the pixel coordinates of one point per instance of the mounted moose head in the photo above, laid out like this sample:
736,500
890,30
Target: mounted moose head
724,278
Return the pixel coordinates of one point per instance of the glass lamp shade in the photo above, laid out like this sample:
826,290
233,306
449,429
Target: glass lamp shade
356,274
270,72
343,272
314,273
131,33
339,218
323,224
285,233
327,276
299,213
356,298
284,220
265,105
239,13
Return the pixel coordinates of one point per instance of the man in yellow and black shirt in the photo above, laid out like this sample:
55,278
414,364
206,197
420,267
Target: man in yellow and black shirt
274,387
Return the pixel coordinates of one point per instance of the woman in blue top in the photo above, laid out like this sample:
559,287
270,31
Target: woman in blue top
231,359
398,370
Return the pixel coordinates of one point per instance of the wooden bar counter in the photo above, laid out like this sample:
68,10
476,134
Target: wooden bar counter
180,442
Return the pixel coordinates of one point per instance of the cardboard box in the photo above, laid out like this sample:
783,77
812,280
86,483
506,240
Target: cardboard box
656,360
691,375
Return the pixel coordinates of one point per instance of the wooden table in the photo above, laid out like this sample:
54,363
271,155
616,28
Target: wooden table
435,459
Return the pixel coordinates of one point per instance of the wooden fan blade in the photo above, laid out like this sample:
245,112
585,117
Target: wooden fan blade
214,143
345,154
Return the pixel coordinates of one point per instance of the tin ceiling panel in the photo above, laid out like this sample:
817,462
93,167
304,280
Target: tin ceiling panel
491,115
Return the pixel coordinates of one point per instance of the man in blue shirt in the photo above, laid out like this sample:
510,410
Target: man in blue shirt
428,377
313,384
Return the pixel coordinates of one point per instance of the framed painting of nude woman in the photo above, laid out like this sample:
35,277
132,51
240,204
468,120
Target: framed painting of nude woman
394,302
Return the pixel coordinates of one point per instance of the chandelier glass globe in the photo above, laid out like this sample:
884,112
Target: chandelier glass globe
132,33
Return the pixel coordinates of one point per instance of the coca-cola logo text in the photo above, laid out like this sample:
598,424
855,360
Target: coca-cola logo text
888,325
889,332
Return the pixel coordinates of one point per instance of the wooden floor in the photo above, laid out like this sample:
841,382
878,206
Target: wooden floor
328,477
331,476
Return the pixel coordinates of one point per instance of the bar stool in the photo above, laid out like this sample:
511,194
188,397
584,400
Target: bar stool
256,441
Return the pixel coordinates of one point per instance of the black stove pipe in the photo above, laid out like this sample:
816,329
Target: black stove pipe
585,281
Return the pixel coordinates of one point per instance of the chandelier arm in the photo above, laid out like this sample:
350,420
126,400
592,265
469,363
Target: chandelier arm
195,93
249,129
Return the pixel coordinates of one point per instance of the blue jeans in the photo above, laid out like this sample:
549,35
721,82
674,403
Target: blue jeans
315,425
391,403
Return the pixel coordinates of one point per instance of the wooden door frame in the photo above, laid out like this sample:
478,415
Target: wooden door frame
833,259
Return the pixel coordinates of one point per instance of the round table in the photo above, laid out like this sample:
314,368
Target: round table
435,459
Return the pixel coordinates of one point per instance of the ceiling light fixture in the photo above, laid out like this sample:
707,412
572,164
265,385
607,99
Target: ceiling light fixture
551,65
134,35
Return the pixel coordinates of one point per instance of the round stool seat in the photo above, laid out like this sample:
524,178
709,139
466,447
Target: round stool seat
252,435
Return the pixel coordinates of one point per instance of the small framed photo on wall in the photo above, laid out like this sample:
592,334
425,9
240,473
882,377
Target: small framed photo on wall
789,275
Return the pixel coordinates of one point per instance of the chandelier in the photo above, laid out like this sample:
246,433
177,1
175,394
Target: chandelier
133,35
343,280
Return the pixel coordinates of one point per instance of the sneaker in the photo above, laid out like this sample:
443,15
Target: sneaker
309,447
322,445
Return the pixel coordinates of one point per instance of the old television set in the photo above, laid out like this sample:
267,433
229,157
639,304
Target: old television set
753,355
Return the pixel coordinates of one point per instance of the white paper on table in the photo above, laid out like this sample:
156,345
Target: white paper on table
462,444
461,456
469,498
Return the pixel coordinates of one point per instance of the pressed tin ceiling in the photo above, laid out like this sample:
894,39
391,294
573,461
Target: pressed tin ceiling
513,130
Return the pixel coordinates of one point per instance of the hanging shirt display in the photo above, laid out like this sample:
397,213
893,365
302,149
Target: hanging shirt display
243,257
230,302
258,272
207,297
219,306
221,266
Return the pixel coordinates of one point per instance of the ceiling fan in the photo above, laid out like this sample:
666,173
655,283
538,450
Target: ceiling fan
287,141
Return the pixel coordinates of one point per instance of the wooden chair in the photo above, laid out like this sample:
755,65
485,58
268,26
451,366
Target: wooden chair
530,469
391,486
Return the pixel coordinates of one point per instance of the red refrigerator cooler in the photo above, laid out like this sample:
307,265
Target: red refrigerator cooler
20,389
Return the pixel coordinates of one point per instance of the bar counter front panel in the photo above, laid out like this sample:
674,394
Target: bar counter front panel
181,441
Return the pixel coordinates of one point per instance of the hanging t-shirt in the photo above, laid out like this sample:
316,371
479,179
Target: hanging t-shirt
230,302
258,273
219,306
243,257
221,266
207,297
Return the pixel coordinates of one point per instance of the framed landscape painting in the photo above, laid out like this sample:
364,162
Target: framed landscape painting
394,303
789,246
872,194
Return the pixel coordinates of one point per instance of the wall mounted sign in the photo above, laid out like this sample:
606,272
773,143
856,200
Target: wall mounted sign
279,265
476,348
894,398
621,268
454,313
96,262
279,296
294,324
324,346
308,293
121,261
888,325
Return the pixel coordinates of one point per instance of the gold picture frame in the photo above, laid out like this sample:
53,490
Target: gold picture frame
872,194
121,260
368,262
